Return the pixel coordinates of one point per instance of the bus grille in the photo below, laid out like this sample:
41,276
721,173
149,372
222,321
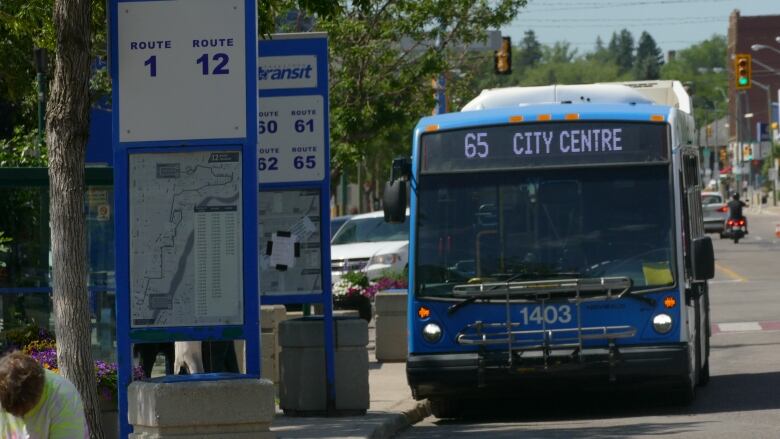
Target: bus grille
484,334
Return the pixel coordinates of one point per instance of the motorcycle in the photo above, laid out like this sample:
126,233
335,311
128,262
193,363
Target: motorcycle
735,229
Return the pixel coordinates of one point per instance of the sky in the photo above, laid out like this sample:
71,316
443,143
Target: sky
674,24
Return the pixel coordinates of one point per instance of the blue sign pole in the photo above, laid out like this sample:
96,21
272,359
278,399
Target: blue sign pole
184,106
294,167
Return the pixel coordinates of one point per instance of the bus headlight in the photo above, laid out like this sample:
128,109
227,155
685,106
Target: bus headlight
431,332
662,323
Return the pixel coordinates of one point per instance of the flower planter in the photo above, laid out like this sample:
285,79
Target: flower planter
109,418
356,302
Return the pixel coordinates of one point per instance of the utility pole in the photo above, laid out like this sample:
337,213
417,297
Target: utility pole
738,156
716,149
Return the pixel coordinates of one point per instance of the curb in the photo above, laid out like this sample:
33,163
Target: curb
411,412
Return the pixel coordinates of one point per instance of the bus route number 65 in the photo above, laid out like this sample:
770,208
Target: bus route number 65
475,145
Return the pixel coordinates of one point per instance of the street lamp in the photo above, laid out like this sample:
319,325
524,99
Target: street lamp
767,88
757,47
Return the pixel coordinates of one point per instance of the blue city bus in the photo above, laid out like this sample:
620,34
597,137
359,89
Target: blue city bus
555,238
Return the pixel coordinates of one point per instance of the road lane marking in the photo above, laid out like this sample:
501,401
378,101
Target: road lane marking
770,326
725,281
719,328
730,273
739,327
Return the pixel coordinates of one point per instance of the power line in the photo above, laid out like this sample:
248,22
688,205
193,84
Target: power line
531,25
601,5
627,19
593,43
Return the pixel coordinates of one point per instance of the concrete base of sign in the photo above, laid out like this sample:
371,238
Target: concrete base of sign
221,409
391,343
302,361
270,318
318,310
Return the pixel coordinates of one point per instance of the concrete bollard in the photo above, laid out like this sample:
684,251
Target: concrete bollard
270,318
391,343
302,389
220,409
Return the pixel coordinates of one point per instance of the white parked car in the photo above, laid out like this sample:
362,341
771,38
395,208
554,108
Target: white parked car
715,211
366,243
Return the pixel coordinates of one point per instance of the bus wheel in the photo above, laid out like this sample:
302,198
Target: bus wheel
445,408
704,374
686,390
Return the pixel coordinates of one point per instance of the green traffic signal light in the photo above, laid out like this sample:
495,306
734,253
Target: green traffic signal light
742,69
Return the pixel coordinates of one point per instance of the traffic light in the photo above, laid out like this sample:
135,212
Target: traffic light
723,156
743,70
503,57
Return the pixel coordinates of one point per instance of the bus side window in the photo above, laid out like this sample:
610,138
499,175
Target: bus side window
691,204
685,222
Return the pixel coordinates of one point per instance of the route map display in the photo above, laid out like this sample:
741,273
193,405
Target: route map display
185,239
290,259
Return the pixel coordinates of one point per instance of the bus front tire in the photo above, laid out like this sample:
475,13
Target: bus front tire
445,408
685,393
704,375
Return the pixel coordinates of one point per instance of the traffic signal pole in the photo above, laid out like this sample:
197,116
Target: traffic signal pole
743,72
768,89
738,152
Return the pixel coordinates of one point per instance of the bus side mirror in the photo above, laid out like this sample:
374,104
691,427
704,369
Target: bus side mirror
703,258
394,201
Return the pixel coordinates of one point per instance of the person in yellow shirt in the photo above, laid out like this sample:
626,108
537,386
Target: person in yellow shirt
37,403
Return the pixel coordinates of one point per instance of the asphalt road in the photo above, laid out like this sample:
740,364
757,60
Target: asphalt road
742,399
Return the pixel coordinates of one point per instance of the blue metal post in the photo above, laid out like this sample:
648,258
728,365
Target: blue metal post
441,94
250,189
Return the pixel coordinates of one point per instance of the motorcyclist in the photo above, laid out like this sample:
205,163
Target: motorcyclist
735,206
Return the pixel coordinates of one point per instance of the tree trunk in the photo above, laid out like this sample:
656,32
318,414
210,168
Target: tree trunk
67,128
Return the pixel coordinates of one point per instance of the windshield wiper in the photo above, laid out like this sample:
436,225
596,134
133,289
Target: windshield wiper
505,283
546,286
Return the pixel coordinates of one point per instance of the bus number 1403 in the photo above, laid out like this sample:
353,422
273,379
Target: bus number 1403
551,314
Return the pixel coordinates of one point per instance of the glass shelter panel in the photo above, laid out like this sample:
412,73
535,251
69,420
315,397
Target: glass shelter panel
25,268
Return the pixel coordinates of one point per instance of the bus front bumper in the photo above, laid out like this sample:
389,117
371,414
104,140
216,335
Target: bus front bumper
432,375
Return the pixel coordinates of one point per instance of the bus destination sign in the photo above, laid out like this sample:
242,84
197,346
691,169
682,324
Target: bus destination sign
543,145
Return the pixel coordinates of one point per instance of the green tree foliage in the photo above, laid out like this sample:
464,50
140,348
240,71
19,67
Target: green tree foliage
24,25
529,51
600,52
649,58
380,87
559,53
577,71
704,66
621,46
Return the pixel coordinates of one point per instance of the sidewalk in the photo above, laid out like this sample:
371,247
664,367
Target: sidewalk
766,209
391,410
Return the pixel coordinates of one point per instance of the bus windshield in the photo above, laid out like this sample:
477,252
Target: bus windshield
540,224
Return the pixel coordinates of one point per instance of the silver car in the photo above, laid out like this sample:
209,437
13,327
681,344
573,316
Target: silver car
715,211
